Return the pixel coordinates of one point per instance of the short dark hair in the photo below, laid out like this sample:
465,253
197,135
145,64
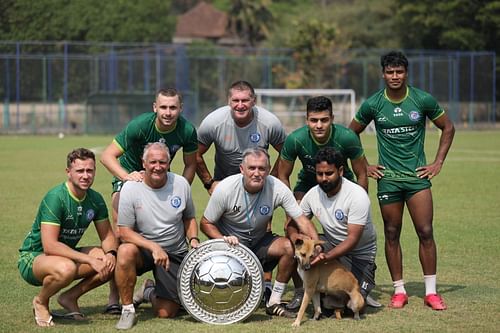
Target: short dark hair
241,85
394,58
318,104
79,154
331,156
169,92
255,151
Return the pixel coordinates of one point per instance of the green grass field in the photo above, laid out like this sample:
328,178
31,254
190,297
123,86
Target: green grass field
467,231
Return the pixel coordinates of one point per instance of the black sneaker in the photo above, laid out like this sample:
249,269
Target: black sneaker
280,311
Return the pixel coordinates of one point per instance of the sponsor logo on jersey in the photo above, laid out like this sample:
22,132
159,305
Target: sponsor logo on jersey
339,215
399,130
398,112
162,140
382,119
254,137
175,202
414,116
79,210
264,210
90,215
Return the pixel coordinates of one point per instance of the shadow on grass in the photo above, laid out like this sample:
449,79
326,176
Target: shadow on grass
416,289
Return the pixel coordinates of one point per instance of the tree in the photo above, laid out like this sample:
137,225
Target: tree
251,20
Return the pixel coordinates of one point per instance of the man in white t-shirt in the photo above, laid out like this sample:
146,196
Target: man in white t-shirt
239,211
343,210
155,218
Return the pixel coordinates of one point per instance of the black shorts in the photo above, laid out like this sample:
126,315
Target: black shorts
165,281
363,270
261,250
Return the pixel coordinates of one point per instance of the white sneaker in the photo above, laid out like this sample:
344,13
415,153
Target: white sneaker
371,302
127,320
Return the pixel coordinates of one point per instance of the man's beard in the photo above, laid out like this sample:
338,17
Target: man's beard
327,187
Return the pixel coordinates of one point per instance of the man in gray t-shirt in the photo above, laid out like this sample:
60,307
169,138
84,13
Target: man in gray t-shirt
239,211
232,129
155,217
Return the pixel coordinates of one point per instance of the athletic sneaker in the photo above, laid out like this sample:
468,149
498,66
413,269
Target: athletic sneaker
371,302
296,301
279,310
139,293
398,301
127,320
435,301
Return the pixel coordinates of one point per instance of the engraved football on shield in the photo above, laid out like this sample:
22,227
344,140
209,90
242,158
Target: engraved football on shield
219,283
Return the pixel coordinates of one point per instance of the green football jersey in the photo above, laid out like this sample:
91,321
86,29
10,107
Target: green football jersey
400,128
60,207
142,130
300,143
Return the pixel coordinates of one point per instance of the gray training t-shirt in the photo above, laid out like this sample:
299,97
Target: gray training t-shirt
238,213
158,214
230,141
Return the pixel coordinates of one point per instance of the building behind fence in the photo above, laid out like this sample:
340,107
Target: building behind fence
98,87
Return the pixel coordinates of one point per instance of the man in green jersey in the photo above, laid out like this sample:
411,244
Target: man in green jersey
403,175
304,143
49,256
123,156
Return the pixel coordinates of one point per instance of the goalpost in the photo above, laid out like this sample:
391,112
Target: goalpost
289,105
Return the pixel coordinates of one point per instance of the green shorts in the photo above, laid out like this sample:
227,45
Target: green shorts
390,191
117,185
25,266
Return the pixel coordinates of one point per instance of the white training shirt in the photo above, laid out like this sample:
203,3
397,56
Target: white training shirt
158,214
236,212
350,205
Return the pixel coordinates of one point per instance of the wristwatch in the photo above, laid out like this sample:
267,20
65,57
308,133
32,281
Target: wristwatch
208,184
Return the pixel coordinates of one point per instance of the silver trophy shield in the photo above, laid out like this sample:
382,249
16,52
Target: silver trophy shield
219,283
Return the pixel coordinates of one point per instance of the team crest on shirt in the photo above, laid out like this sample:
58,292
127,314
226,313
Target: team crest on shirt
339,215
264,210
90,215
414,116
175,202
254,137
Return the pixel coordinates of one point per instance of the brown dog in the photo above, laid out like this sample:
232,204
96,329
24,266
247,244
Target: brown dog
330,278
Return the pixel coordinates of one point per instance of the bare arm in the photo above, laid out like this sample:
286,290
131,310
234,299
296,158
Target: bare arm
274,170
201,166
354,232
191,230
285,169
53,247
109,159
108,243
306,227
447,133
213,232
360,167
190,165
374,171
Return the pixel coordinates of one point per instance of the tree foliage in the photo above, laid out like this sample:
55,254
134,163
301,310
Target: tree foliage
87,20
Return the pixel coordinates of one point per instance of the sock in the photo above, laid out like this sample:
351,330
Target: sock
268,285
430,284
399,286
128,308
148,292
278,290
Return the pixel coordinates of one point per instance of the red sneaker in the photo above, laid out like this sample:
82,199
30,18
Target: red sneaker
398,301
435,301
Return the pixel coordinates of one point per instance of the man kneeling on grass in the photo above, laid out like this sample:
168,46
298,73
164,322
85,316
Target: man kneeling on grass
49,256
155,217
